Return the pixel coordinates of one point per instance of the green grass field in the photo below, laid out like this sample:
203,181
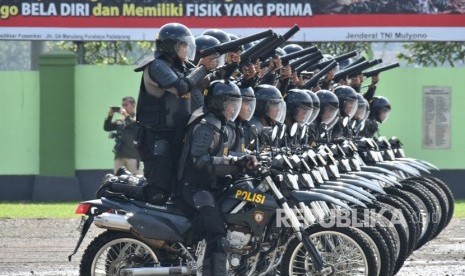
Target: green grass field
66,210
38,210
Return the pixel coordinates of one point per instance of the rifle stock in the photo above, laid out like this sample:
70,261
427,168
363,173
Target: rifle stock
223,48
314,80
268,52
376,71
355,70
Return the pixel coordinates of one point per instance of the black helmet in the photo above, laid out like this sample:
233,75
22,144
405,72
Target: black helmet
380,108
299,106
270,103
248,45
248,103
343,63
279,52
315,105
171,36
218,34
363,108
203,42
347,100
291,48
224,99
329,106
234,37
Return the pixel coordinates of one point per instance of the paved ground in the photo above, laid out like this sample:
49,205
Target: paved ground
41,247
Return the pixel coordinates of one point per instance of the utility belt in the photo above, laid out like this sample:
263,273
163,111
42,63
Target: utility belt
152,142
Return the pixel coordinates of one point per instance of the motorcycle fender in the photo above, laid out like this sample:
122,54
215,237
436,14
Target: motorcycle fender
378,170
350,187
309,196
363,184
341,196
348,191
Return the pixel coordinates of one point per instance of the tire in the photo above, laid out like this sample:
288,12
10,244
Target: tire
450,196
441,197
296,259
108,247
377,235
397,233
431,206
412,224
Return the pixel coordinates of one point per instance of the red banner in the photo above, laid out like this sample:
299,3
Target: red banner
319,20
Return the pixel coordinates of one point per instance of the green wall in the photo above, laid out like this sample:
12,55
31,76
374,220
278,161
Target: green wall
99,87
404,88
19,123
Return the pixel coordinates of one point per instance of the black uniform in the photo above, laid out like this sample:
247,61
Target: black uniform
163,109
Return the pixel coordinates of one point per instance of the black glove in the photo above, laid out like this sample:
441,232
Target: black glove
249,162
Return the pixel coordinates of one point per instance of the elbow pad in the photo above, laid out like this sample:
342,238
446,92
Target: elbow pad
196,76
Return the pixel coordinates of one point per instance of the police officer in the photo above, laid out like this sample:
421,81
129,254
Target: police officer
206,167
348,104
380,108
239,130
163,105
329,111
270,111
203,42
299,109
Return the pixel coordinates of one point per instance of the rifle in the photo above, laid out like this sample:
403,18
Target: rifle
251,55
268,52
338,59
355,62
287,58
378,70
306,64
355,70
311,57
225,47
314,80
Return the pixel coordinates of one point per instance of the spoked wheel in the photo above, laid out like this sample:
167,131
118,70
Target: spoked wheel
112,251
343,250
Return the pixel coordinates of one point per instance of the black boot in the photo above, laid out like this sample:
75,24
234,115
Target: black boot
218,262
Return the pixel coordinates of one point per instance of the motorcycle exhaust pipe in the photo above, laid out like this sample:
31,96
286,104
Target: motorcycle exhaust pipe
112,221
147,271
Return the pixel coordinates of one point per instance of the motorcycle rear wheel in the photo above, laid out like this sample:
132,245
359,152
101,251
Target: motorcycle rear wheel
112,251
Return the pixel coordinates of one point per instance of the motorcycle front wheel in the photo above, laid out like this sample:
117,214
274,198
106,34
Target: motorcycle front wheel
112,251
344,250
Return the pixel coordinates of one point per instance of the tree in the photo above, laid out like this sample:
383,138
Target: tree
434,53
106,52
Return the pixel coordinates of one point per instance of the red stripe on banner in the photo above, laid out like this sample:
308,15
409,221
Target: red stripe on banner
382,20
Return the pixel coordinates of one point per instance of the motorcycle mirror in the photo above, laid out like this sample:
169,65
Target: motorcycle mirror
283,131
345,121
304,132
294,128
274,133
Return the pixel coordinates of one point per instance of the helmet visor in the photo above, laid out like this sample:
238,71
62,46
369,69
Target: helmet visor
314,114
247,108
302,114
361,111
328,113
232,107
276,110
185,48
350,107
384,115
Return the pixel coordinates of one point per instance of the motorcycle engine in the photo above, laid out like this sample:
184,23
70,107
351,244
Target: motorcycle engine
238,240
